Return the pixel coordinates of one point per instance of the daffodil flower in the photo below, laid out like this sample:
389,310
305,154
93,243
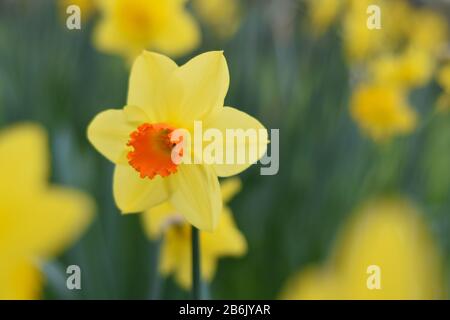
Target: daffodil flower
382,111
164,221
428,30
20,278
129,26
360,42
411,68
222,16
163,97
387,239
37,221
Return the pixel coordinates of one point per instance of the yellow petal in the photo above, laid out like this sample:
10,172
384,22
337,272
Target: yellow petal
136,115
196,195
105,38
205,81
181,36
34,220
127,27
382,111
183,273
313,283
55,220
209,267
135,194
109,133
151,85
226,240
20,279
388,234
177,254
229,188
230,118
23,159
412,68
391,234
156,219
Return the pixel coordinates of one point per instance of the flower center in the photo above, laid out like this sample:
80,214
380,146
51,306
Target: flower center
152,150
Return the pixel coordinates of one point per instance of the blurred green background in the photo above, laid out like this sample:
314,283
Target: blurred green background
281,75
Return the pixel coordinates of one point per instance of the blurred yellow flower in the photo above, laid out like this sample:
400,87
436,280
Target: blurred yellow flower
37,221
360,42
387,235
87,7
163,97
396,19
129,26
226,240
322,13
401,24
410,69
222,16
20,279
428,30
382,111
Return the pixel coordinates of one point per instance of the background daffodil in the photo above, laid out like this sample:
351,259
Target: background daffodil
410,69
400,53
163,97
387,233
37,220
382,111
164,221
129,26
223,17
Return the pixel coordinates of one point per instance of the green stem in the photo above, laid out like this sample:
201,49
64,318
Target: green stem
196,281
155,278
